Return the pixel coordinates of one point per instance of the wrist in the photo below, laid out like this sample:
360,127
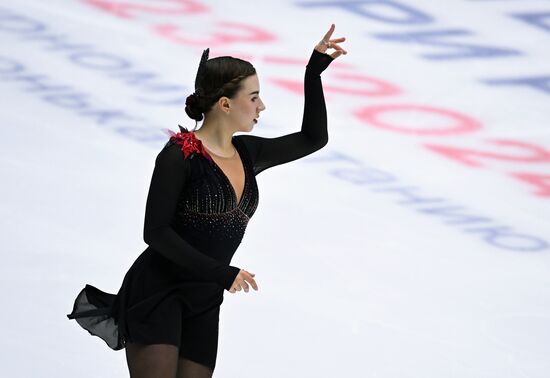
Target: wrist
227,276
318,62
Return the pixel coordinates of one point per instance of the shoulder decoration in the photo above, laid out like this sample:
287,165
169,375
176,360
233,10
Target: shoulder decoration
190,145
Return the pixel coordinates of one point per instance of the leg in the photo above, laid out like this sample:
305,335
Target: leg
192,369
199,345
152,360
152,346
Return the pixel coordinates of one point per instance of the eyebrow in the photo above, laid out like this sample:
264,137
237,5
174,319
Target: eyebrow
255,92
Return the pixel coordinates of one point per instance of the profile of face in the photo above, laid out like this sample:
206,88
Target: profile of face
246,105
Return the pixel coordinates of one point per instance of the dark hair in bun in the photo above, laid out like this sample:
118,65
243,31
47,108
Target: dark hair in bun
216,77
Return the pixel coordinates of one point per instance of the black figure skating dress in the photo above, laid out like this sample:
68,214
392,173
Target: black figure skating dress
193,225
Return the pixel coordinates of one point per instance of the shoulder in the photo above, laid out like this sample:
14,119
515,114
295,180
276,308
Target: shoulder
252,146
250,143
171,157
183,146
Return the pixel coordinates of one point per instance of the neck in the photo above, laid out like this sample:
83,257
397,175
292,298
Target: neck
216,135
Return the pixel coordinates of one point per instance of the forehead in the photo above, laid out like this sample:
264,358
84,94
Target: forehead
251,83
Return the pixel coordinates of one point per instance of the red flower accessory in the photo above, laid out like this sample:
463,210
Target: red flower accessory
190,144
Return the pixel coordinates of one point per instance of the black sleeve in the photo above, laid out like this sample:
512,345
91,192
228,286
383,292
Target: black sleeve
169,177
268,152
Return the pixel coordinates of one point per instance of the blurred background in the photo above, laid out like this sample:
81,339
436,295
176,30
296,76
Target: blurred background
415,244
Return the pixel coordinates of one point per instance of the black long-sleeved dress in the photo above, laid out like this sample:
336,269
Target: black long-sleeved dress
193,226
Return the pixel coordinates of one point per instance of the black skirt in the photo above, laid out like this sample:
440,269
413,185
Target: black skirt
156,304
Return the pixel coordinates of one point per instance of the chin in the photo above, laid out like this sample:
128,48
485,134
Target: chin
246,128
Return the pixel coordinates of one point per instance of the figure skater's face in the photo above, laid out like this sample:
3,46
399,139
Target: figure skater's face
247,104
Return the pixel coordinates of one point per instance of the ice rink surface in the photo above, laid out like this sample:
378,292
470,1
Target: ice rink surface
415,244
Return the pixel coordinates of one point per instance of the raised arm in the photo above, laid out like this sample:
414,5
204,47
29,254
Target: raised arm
169,177
269,152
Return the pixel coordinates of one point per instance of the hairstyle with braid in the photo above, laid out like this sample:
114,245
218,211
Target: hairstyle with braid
216,77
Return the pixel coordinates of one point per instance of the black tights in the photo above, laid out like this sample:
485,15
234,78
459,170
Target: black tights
162,361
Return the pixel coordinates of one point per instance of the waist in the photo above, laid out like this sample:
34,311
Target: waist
214,229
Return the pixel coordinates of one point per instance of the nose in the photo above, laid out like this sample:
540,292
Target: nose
262,106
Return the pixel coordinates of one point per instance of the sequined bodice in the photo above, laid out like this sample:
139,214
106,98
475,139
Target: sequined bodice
210,191
207,208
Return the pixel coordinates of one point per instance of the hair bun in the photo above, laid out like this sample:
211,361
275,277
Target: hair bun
192,107
193,113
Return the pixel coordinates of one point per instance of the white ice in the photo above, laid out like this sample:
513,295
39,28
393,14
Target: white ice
360,273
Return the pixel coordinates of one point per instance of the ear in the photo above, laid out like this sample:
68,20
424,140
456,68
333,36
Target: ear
225,104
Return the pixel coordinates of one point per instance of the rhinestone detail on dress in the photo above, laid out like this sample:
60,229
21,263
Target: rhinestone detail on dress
208,206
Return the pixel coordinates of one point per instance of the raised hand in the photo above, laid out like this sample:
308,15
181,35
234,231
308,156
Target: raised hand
240,282
327,43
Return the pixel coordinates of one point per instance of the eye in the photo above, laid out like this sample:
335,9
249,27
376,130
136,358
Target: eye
254,98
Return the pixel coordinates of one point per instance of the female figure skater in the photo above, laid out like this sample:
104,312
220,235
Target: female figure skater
202,194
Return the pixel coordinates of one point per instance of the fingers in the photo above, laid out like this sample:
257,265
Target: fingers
327,43
241,282
250,279
329,33
339,50
336,54
336,40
